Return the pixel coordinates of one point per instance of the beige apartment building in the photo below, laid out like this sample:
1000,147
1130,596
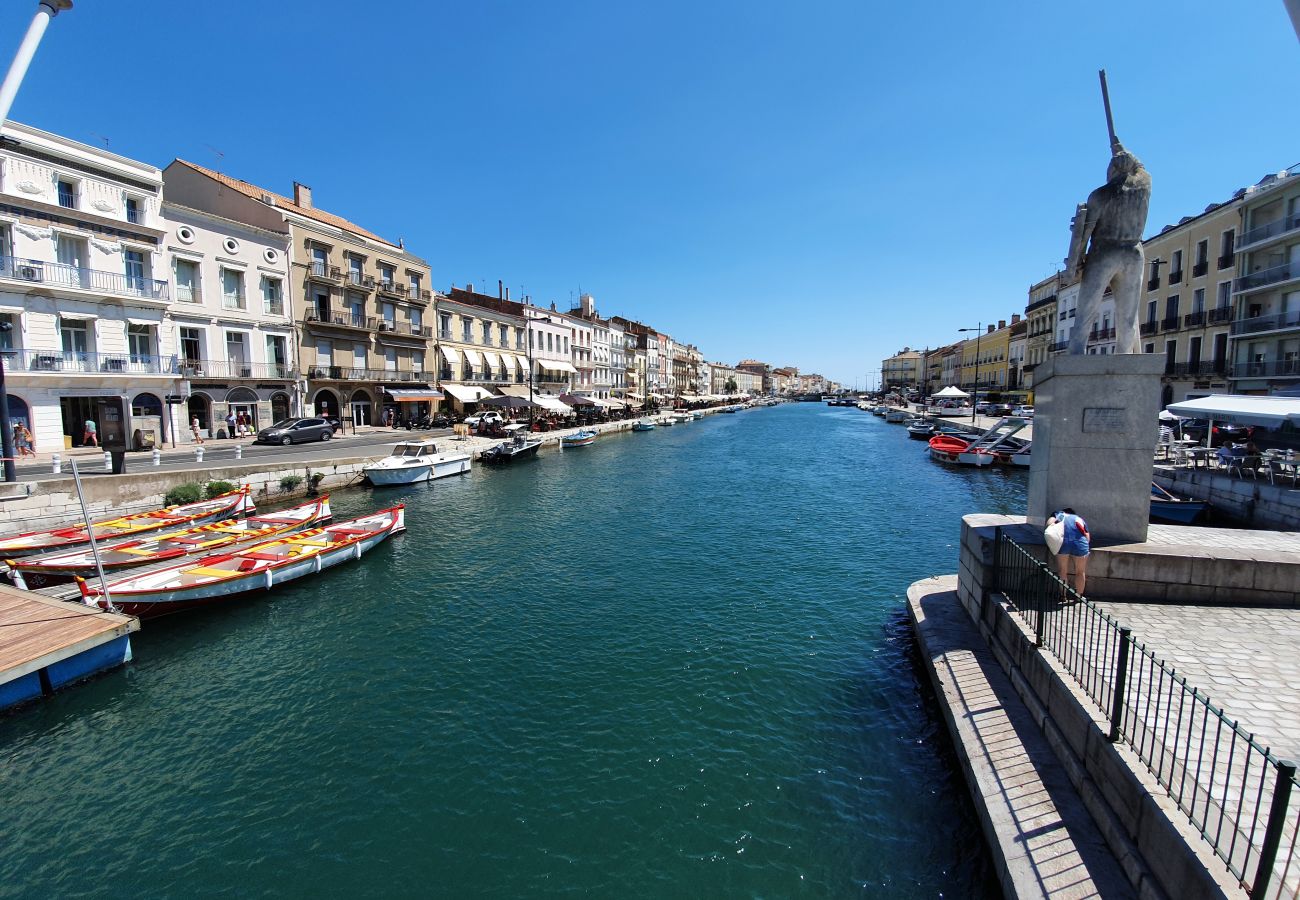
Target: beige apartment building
1040,324
360,302
902,371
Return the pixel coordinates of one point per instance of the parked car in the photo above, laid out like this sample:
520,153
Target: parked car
1026,412
1224,432
295,431
487,418
999,409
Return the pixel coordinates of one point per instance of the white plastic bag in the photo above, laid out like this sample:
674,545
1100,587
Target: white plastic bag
1054,534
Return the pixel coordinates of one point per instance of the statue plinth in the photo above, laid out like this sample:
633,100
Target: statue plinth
1095,430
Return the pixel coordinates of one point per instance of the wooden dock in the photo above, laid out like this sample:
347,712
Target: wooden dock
46,644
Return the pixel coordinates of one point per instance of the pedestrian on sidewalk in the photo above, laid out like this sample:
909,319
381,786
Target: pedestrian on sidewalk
1076,544
23,440
194,429
91,436
231,421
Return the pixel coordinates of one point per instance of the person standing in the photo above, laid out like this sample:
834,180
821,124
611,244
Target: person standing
23,440
1075,545
231,422
195,430
91,436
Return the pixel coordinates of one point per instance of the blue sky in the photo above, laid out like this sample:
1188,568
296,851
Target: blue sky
813,183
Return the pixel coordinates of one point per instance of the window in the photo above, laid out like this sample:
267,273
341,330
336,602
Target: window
1225,295
355,264
387,275
566,344
417,321
237,353
272,298
1202,253
320,261
1198,300
444,326
467,329
359,356
1151,310
191,346
232,288
187,281
519,339
133,260
390,359
389,312
1171,308
74,337
7,337
487,334
67,193
417,360
277,355
133,210
503,332
550,344
1194,352
324,352
415,284
356,309
1176,267
139,341
1226,241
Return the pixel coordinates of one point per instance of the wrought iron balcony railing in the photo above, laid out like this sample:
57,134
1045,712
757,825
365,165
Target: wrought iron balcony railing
361,280
340,319
405,329
1194,318
1200,268
396,288
1170,323
1227,260
1176,276
345,373
78,362
1101,334
1220,314
1200,367
222,368
1275,322
1153,282
1264,277
77,277
325,271
1147,328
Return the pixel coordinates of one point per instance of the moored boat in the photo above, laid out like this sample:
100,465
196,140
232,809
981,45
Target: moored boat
58,567
414,461
211,579
581,438
232,503
996,446
920,430
666,421
643,425
518,447
1171,510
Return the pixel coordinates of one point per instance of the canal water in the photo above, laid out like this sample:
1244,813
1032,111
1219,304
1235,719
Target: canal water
670,664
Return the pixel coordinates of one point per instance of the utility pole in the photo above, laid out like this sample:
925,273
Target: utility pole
975,390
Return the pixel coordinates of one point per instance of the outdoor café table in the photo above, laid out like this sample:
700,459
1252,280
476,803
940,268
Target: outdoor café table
1200,456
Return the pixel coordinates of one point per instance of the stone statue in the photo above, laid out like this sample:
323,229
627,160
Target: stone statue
1106,246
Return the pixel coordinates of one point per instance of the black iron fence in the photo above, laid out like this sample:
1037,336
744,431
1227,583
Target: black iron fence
1233,790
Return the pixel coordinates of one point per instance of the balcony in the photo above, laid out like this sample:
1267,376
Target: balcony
1200,367
1268,231
1276,368
1220,314
1058,346
1200,268
338,319
344,373
1101,334
1176,276
1287,271
392,288
222,368
321,271
188,293
444,334
403,330
1147,328
360,281
422,295
76,362
1170,323
1276,322
58,275
1227,261
1195,318
1153,282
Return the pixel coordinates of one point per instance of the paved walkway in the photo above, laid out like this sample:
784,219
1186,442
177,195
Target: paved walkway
1044,841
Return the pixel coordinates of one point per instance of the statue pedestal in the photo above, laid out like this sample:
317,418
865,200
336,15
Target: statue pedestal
1095,431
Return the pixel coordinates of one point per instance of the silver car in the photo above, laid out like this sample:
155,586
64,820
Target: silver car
295,431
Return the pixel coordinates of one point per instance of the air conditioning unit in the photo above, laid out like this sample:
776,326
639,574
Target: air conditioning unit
387,326
30,273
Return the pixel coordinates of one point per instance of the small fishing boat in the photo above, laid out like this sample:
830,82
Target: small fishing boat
896,416
232,503
59,567
517,448
1171,510
414,461
920,430
211,579
581,438
730,409
643,425
681,416
996,446
666,421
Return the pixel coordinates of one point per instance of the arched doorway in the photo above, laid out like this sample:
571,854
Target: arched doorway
361,406
199,406
243,403
326,403
148,419
279,406
19,411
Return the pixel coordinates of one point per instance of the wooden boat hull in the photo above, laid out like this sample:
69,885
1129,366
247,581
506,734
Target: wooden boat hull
135,596
234,503
47,569
582,439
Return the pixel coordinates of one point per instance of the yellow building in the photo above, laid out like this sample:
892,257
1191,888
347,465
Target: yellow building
984,359
903,370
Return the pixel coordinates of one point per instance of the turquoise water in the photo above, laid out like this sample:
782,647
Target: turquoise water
670,664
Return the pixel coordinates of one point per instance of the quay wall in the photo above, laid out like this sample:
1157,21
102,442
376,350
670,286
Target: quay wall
1145,830
1252,502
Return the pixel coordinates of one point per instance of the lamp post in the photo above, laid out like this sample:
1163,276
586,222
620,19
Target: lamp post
45,10
979,333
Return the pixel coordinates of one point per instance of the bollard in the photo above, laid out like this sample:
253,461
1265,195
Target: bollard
57,463
239,451
157,456
108,462
198,453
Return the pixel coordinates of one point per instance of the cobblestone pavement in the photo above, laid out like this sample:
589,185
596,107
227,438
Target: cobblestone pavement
1221,539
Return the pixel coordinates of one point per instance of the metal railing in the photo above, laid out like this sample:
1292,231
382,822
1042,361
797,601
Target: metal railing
188,293
344,319
345,373
1153,282
395,288
1170,323
1220,314
75,361
61,275
1234,791
361,280
1194,318
222,368
1147,328
318,269
1201,367
1264,277
1274,368
1176,276
1269,230
1227,260
1200,268
1272,322
405,329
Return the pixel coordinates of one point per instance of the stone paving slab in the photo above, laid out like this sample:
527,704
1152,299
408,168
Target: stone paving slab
1045,843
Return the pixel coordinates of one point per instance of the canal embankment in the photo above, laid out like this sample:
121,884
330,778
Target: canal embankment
1252,502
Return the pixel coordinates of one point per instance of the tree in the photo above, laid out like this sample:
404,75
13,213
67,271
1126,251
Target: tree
731,385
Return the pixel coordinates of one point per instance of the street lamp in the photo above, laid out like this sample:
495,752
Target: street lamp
979,332
45,10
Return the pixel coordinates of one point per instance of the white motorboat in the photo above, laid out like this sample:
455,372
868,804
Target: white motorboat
415,461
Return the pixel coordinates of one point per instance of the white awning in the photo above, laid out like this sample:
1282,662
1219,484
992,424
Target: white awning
451,354
516,361
475,358
78,317
612,403
1241,409
410,395
466,393
152,323
514,390
556,366
553,405
492,359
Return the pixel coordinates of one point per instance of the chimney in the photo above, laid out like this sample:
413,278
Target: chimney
500,290
507,293
401,243
469,287
1002,323
992,329
302,195
1015,318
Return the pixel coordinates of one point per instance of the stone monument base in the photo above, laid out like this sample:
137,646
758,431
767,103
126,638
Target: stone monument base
1095,432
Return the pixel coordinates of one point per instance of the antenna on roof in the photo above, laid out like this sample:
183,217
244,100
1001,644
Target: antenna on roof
215,152
102,138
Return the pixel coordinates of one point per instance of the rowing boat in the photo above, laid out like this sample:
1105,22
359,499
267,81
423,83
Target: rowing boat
61,566
232,503
580,438
211,579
